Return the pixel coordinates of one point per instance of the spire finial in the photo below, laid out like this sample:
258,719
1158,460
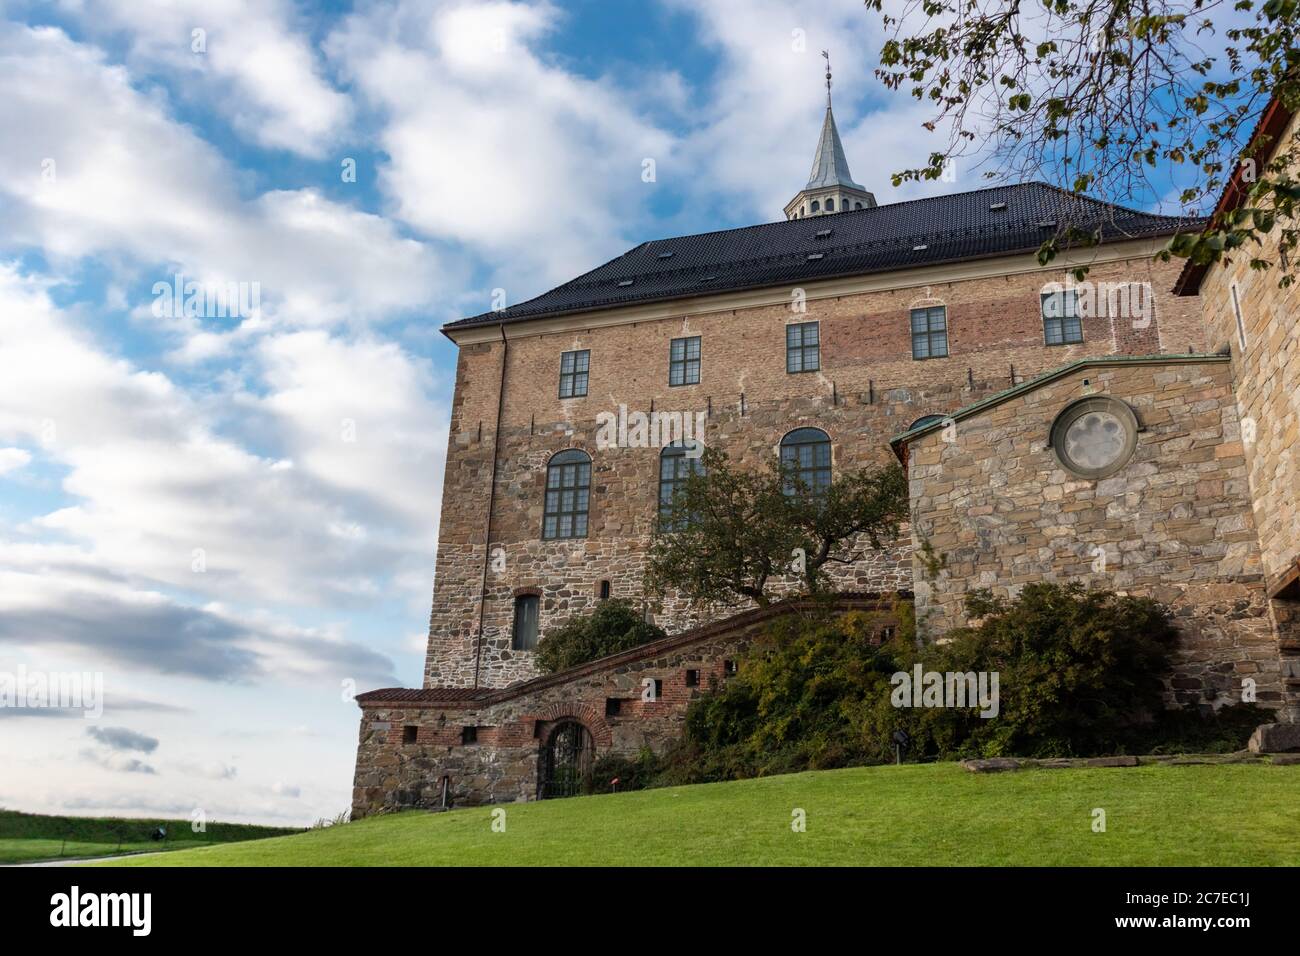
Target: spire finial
826,55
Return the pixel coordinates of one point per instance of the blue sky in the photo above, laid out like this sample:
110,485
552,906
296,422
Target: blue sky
233,519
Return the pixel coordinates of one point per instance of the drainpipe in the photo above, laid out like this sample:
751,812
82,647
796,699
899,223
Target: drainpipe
492,497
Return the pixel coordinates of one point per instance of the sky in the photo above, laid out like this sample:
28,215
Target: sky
227,516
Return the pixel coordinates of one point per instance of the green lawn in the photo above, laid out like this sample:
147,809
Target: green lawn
27,837
1245,814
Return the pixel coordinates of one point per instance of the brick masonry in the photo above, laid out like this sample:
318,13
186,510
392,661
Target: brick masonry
513,726
1181,522
868,389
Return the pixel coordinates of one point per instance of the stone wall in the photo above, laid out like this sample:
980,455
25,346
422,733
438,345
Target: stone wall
1267,375
868,389
1175,523
512,726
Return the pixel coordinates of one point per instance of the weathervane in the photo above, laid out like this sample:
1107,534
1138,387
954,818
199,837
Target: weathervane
826,55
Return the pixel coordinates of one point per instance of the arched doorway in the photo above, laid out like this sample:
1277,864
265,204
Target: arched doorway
566,761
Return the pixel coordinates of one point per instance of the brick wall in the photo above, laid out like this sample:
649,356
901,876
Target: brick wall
867,390
1175,523
512,727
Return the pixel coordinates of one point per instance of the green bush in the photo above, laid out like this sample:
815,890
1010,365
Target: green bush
1079,675
614,626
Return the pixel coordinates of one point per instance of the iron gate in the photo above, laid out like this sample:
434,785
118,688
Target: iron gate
566,762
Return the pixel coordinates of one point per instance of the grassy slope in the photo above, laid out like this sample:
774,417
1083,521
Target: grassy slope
26,837
910,815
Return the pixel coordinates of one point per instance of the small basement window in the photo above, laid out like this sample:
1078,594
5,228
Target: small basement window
692,678
613,706
469,735
409,733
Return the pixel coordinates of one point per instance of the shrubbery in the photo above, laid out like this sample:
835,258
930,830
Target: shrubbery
1079,675
614,626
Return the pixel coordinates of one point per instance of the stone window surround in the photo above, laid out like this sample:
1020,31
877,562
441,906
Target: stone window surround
1076,410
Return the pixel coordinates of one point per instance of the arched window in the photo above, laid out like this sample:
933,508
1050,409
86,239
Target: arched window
806,455
675,466
830,205
816,205
568,493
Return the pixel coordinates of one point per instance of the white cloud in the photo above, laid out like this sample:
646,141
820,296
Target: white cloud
164,497
256,66
103,170
763,109
537,169
11,459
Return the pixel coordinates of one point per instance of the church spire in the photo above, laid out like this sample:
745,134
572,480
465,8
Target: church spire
830,186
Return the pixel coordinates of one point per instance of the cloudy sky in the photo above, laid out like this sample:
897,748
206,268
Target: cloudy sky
233,519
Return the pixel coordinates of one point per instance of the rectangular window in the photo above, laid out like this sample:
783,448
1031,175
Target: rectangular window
1061,323
692,678
574,367
612,706
802,348
930,332
469,735
684,361
524,635
409,733
1241,324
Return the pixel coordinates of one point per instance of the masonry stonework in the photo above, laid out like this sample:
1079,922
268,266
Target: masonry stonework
412,740
868,389
1000,510
1266,367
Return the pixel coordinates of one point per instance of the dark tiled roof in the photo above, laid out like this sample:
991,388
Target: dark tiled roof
987,222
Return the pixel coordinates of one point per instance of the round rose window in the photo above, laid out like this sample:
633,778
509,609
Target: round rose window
1095,437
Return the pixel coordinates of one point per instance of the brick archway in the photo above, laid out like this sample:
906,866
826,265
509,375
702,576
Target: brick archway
586,714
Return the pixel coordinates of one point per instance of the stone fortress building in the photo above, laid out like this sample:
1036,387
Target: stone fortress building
1124,431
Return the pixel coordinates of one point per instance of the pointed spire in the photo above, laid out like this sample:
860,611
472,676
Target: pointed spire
830,185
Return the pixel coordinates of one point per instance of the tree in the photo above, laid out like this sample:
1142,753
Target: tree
614,626
1109,97
734,531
